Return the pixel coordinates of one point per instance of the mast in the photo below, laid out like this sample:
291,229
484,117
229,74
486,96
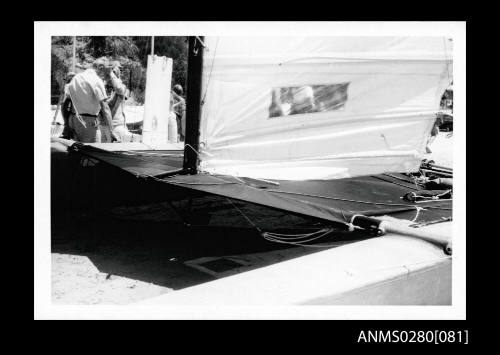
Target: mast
193,103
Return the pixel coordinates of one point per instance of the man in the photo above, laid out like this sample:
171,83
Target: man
65,104
434,134
179,108
89,99
116,104
303,101
276,109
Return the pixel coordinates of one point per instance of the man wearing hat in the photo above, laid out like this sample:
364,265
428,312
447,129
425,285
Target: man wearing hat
89,100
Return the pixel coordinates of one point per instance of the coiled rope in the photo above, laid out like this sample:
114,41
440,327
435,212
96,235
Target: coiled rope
290,239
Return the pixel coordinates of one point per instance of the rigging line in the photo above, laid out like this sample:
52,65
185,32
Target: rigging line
198,183
269,236
302,245
298,235
446,60
294,240
396,183
194,150
422,224
224,182
134,153
350,227
201,42
248,219
298,239
349,200
400,178
414,180
271,239
417,214
180,182
210,74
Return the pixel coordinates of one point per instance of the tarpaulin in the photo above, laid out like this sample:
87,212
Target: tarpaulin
141,163
333,200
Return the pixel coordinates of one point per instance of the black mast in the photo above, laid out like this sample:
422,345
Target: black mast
193,104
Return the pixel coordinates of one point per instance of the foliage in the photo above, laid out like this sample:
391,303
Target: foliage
175,48
130,51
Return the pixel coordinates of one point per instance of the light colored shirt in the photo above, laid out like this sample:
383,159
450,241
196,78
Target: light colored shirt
118,99
118,85
87,91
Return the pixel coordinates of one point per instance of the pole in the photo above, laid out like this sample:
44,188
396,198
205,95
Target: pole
193,104
74,54
152,45
383,226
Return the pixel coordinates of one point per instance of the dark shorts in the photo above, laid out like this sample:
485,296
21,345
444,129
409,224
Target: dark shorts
83,133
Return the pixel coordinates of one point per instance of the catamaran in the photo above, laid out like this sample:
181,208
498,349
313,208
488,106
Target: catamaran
333,128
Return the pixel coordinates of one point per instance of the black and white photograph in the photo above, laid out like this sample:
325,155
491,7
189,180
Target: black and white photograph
249,170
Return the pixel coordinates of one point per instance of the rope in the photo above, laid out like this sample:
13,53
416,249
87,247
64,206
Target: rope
414,179
296,236
431,198
299,238
418,208
357,201
421,224
131,152
194,150
202,43
348,223
281,241
351,224
199,183
248,219
291,239
396,183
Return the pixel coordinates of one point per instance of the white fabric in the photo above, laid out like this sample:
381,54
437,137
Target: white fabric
395,86
119,89
123,134
87,90
157,101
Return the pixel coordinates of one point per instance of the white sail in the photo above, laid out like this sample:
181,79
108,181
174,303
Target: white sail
372,104
157,101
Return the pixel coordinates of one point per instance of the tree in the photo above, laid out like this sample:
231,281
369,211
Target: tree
62,61
131,52
175,48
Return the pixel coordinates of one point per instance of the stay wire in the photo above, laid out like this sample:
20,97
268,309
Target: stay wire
210,74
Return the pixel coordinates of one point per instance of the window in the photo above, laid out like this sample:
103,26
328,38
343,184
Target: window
287,101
